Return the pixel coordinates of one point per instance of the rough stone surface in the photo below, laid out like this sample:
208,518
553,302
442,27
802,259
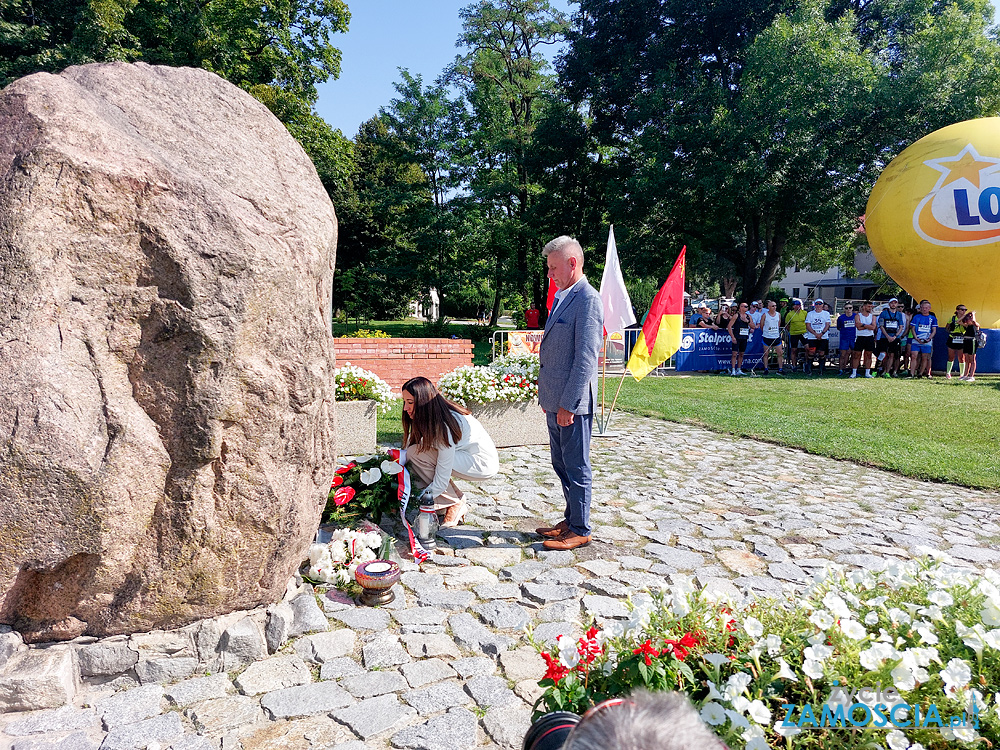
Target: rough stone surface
470,666
337,668
374,716
222,714
198,689
162,730
63,719
38,678
307,616
384,651
431,644
504,615
168,252
277,626
507,724
103,658
471,634
273,674
423,672
318,732
370,684
241,643
489,691
455,730
363,618
522,664
72,741
324,647
130,706
305,700
437,697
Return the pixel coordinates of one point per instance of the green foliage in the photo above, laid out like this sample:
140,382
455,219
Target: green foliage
286,44
743,665
352,499
857,420
753,131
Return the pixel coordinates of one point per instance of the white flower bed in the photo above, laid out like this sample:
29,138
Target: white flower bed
353,383
512,378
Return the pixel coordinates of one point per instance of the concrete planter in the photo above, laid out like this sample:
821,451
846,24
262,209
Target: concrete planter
356,427
513,423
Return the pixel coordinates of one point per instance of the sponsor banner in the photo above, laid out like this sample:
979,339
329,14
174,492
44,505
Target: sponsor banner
524,342
707,349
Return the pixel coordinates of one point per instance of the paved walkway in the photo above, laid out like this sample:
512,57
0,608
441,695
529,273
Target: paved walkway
446,667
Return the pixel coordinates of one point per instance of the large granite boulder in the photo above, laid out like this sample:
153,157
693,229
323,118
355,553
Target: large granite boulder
166,438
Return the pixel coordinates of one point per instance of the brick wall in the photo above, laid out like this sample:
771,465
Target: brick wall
398,360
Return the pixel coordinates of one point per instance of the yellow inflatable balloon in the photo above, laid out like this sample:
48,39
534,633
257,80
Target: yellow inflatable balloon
933,219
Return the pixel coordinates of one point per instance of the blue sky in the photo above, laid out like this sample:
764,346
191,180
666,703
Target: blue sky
386,35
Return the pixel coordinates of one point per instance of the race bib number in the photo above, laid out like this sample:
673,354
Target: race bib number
744,333
891,326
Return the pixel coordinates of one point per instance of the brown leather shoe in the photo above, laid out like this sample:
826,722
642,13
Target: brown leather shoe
553,531
569,540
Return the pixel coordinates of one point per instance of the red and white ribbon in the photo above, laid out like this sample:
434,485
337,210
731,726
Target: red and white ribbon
403,493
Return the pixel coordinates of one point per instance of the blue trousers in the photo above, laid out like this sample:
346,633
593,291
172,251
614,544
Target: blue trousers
570,448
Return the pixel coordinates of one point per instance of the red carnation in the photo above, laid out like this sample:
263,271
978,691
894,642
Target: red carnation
343,496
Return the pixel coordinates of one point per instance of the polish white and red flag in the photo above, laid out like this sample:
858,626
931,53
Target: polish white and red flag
618,313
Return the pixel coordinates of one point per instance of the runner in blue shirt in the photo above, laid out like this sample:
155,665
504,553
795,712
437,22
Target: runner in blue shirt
845,324
924,325
891,329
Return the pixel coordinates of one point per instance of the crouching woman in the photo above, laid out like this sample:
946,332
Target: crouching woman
443,440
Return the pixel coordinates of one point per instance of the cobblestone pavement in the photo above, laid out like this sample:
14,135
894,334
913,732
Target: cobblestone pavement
446,666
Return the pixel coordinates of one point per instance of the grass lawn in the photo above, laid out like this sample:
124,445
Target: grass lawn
938,429
417,329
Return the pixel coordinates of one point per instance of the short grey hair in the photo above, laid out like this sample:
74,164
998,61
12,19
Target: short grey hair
645,721
562,244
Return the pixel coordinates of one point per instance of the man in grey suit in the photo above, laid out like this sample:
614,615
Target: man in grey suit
567,386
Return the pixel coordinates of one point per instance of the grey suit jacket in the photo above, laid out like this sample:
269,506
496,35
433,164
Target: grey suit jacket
571,344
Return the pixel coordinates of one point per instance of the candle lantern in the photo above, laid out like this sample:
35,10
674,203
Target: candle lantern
426,526
376,579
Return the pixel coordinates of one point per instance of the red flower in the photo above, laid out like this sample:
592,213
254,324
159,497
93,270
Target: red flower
555,671
345,469
647,650
337,481
343,496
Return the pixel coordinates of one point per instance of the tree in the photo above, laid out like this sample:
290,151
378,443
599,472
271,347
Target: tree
504,77
752,131
284,44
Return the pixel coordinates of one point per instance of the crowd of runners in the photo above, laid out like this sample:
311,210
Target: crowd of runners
894,342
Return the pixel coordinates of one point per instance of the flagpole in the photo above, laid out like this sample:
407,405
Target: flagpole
604,382
610,413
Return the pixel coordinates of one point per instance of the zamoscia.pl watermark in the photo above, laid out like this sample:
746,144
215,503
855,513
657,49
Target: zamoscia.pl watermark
873,706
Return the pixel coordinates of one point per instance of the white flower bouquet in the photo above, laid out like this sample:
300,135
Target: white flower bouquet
356,384
511,378
906,658
336,561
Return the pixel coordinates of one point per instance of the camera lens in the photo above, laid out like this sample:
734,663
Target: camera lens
550,731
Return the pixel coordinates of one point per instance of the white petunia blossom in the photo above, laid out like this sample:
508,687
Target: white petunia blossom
853,630
873,657
821,619
990,612
956,675
754,739
812,668
836,604
896,740
786,731
992,639
713,714
871,618
973,637
785,672
716,660
759,712
942,598
754,627
773,644
736,684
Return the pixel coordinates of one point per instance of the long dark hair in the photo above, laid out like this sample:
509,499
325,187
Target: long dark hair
432,420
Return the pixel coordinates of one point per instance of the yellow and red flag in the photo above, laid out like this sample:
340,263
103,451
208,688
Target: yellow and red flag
661,332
